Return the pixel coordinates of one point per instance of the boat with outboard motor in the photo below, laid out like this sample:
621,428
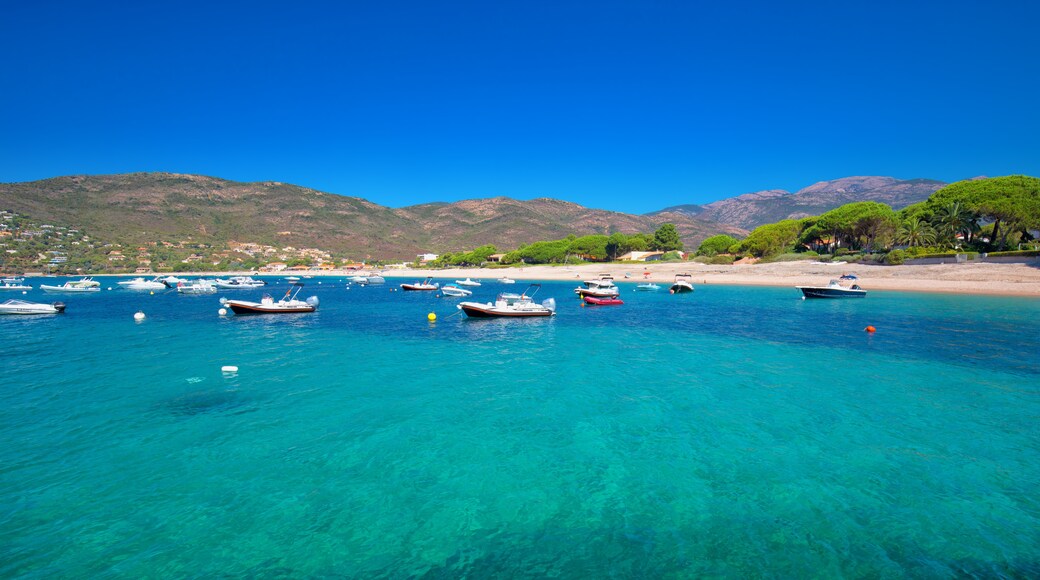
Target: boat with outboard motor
467,282
508,305
683,283
426,285
454,291
602,288
87,284
843,287
267,305
23,307
647,287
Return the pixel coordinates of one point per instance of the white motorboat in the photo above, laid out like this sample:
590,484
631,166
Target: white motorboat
683,284
511,306
23,307
238,282
82,285
358,279
602,288
267,305
142,284
426,285
14,284
507,280
454,291
196,287
647,287
467,282
844,287
376,279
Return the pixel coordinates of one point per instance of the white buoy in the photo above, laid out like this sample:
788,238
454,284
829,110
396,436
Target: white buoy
24,292
222,312
109,287
139,316
229,369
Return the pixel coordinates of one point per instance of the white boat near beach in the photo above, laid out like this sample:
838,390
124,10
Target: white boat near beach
83,285
142,284
238,282
13,285
467,282
196,287
454,291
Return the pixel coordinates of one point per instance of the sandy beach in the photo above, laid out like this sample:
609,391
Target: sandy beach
973,278
983,278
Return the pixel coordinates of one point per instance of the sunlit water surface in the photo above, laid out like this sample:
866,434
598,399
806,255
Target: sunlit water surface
735,432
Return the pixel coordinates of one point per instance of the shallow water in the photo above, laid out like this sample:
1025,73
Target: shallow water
732,432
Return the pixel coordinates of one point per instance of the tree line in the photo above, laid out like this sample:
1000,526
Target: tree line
572,249
985,215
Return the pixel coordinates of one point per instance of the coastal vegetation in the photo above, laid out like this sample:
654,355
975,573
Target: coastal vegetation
993,215
167,222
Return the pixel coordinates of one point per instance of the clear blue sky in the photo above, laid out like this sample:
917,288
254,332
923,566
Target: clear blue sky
631,106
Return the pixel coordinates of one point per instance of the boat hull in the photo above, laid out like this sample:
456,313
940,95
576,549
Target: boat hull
239,307
603,301
829,292
22,308
47,288
419,287
485,311
681,289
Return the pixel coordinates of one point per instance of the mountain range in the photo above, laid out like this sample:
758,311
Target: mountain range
142,207
751,210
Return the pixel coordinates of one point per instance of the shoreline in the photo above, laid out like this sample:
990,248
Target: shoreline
993,279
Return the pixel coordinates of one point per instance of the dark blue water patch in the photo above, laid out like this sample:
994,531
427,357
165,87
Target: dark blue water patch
203,401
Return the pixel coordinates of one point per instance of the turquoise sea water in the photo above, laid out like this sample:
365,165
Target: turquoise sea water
733,432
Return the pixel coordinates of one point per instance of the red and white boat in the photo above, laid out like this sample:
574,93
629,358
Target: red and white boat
426,285
603,301
267,305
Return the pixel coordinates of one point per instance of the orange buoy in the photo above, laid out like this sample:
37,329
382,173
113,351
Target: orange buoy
870,329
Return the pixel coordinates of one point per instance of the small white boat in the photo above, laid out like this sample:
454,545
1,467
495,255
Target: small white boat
82,285
507,280
647,287
23,307
142,284
467,282
602,288
683,284
238,282
267,305
196,287
455,291
511,306
292,279
358,279
376,279
14,284
426,285
171,281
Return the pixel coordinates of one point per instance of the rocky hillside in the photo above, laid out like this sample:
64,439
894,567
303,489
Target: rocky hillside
751,210
148,207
